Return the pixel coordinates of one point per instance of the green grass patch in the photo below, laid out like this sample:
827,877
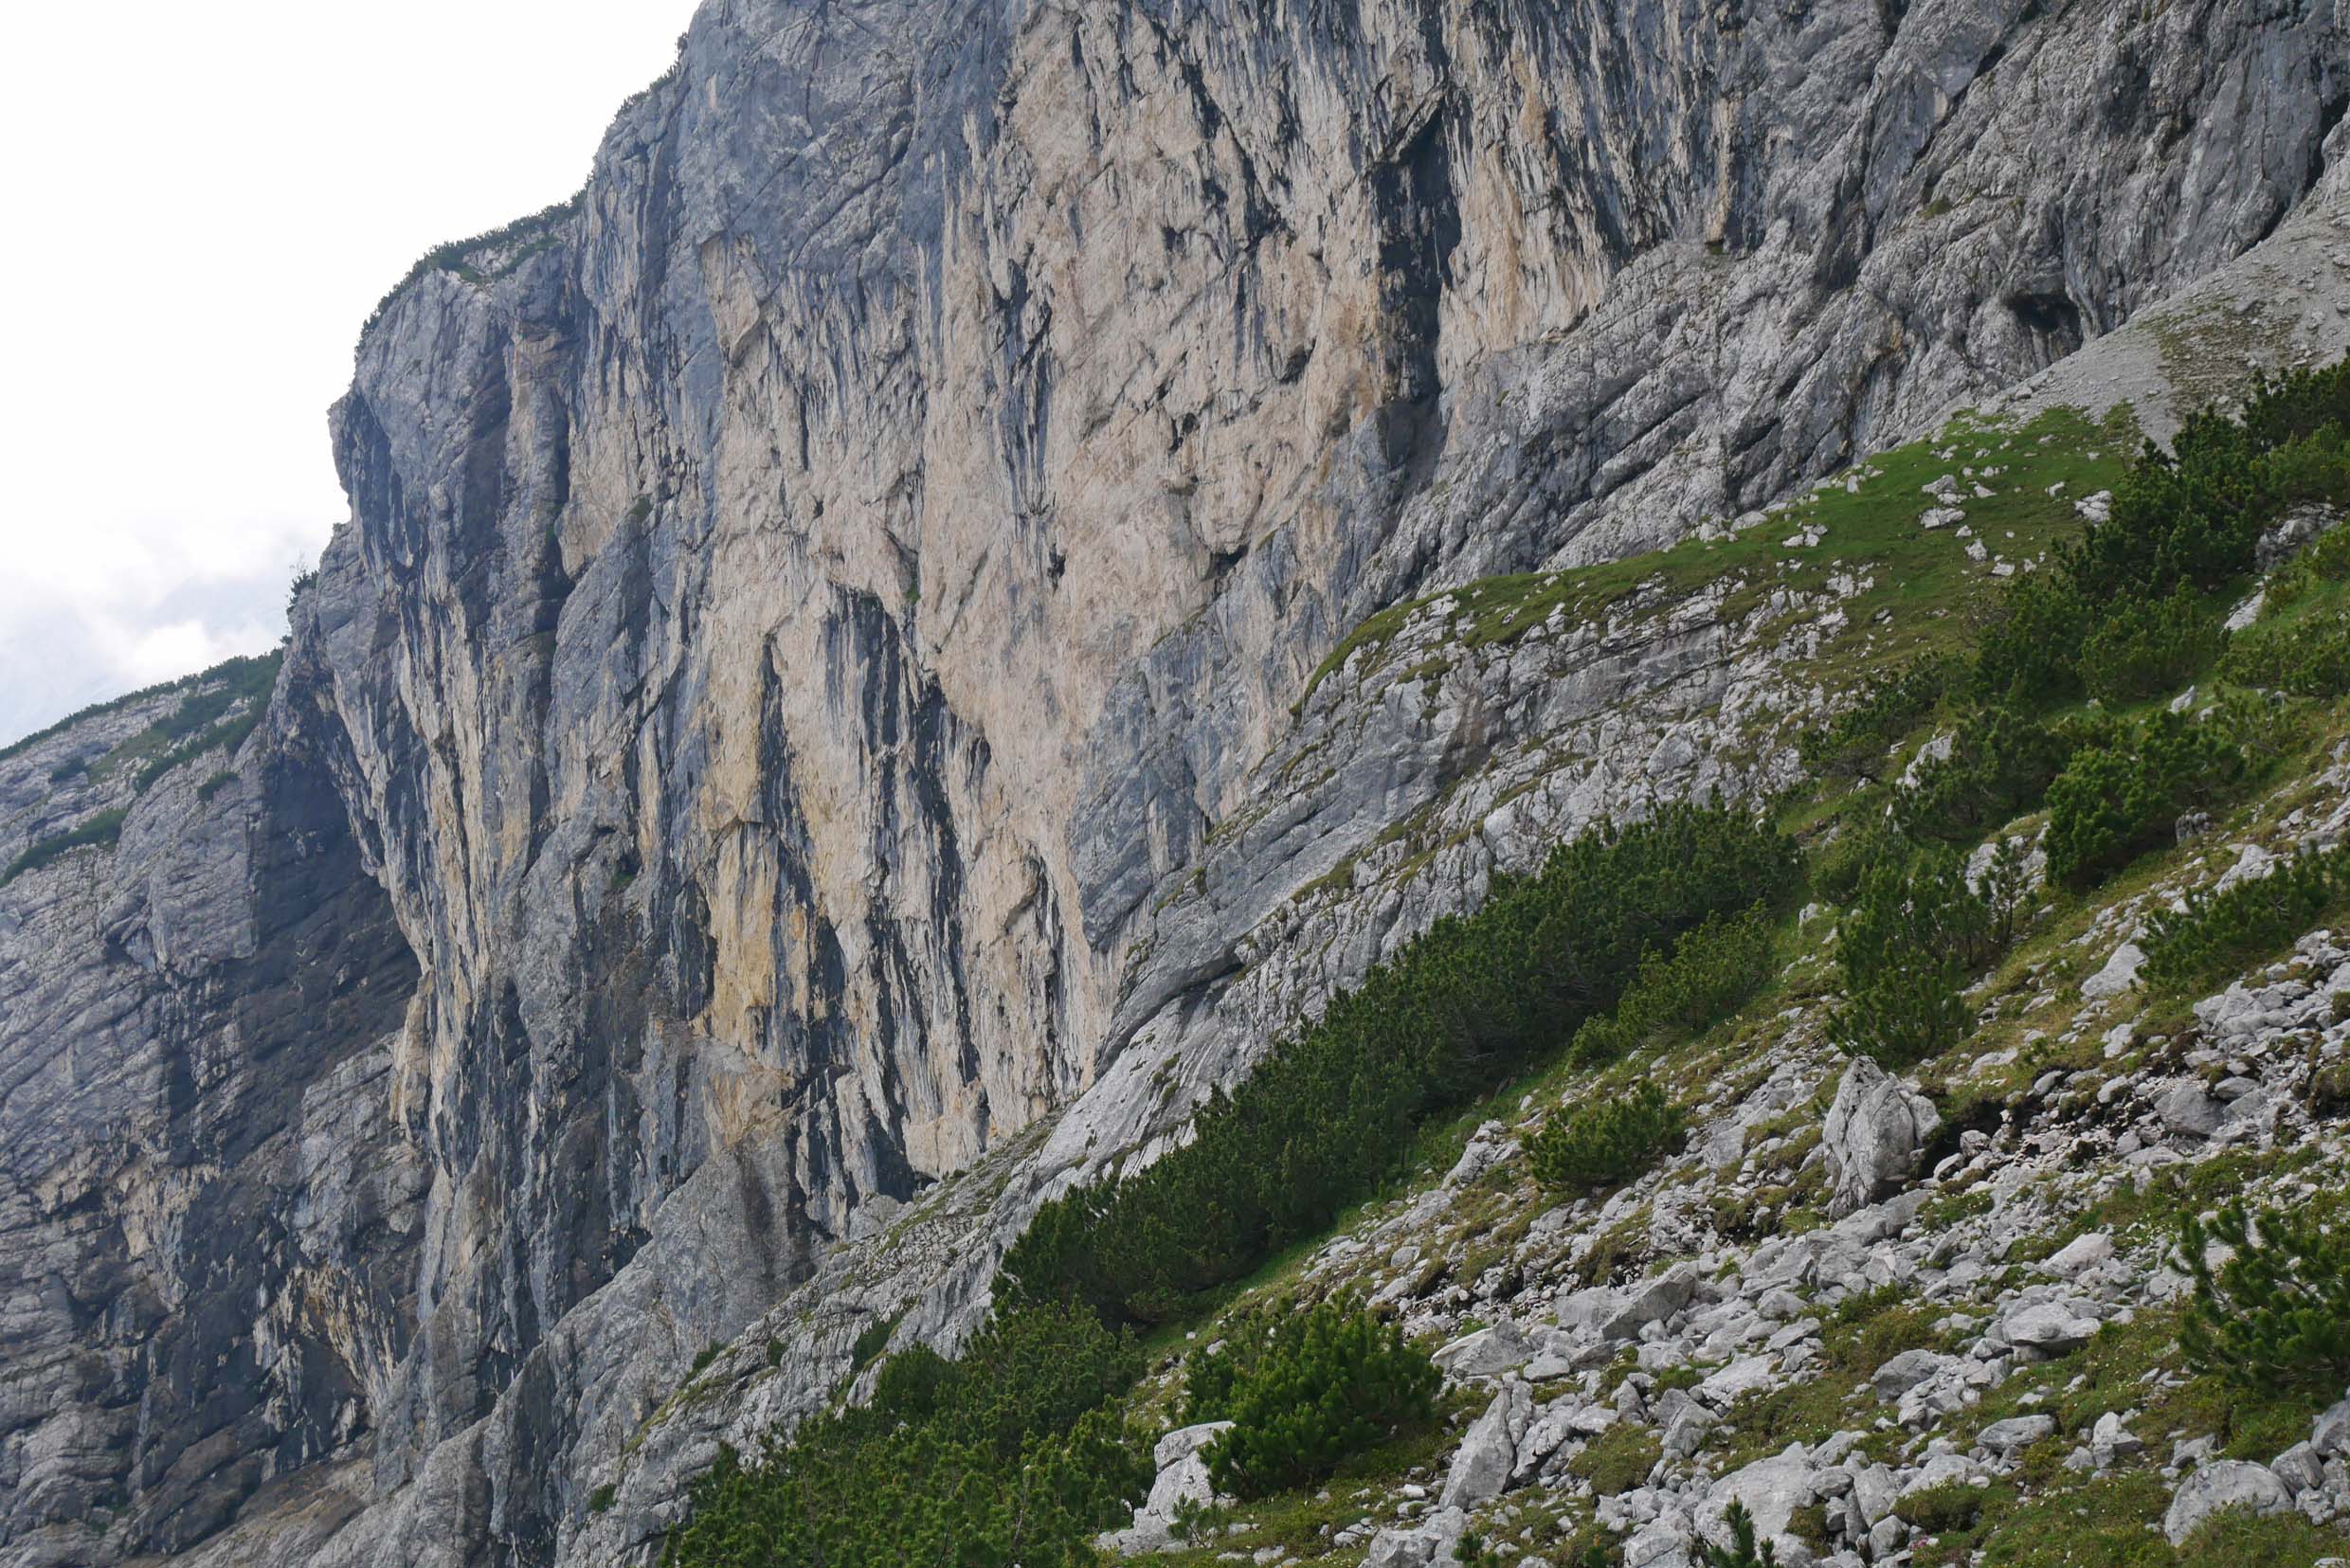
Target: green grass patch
99,832
1924,578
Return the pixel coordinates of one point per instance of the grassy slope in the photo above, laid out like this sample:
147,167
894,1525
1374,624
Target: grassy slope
1919,593
1925,586
1922,592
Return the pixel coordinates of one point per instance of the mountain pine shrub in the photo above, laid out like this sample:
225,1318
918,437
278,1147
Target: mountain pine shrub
1010,1455
2309,657
2116,801
1332,1111
1606,1141
2275,1315
2028,652
2220,934
2150,647
1907,947
1305,1392
1741,1551
2187,519
1862,840
1853,745
2001,761
1700,982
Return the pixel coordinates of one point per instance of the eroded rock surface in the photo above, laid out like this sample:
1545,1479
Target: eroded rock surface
810,737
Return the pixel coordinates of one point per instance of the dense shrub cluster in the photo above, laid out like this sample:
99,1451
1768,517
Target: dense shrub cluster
1603,1143
2127,609
1698,983
2194,516
1914,934
2276,1314
1455,1014
2126,615
104,828
2149,646
1008,1456
1305,1392
2219,933
2307,657
2122,795
2000,761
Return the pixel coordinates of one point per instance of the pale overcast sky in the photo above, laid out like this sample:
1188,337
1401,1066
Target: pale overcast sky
204,202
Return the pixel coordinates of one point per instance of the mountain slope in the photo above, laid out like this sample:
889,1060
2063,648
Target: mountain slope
811,603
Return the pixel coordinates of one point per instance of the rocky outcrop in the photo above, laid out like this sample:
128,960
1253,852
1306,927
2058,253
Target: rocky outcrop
810,737
1183,1481
1878,1128
210,1204
2223,1484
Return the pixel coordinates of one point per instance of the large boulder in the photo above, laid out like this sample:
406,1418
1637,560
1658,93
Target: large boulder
2190,1112
2050,1327
2294,533
1489,1452
1486,1353
1773,1489
1878,1129
2222,1484
1183,1478
1430,1541
2017,1431
2330,1433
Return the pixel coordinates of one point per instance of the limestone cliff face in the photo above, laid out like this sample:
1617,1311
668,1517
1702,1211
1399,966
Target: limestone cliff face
809,606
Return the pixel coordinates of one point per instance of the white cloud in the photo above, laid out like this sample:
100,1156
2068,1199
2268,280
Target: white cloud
205,203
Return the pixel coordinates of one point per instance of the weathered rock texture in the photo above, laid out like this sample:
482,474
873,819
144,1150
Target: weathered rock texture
806,606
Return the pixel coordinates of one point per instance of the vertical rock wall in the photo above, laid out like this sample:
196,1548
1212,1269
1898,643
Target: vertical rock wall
802,599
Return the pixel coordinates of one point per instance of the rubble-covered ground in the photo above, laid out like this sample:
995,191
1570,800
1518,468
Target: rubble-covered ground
1922,1323
1925,1321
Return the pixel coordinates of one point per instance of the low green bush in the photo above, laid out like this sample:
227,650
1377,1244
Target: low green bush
101,830
2275,1314
1853,745
1602,1143
2000,763
1905,949
1010,1455
1700,982
2149,646
872,1340
1334,1110
2116,801
1950,1507
2027,655
1741,1551
2308,657
1305,1392
1619,1459
2220,934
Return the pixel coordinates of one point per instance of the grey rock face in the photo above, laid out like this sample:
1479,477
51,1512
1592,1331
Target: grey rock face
800,719
1183,1478
2222,1484
1489,1452
1878,1128
208,1204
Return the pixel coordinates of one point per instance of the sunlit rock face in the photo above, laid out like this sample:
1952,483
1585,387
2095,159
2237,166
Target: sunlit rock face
807,606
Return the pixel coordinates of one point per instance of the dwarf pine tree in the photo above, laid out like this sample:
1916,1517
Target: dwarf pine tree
2276,1313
